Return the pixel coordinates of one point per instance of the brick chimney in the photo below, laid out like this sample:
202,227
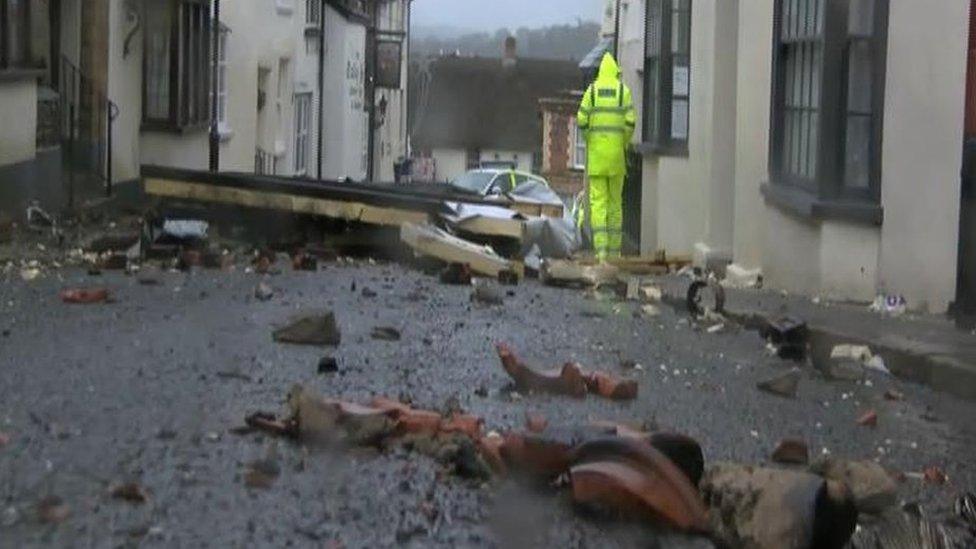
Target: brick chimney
510,56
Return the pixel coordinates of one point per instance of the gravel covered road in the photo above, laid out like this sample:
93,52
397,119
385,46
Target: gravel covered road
147,388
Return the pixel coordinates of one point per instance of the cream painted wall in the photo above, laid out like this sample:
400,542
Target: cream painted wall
849,260
450,163
125,90
344,127
922,150
753,84
792,253
189,151
18,118
522,159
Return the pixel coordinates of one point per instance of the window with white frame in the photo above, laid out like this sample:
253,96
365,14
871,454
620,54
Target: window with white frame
313,12
221,86
303,121
828,98
176,60
579,148
667,75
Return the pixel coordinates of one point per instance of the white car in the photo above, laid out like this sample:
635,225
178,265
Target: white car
494,181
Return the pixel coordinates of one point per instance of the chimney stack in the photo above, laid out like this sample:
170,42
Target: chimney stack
511,52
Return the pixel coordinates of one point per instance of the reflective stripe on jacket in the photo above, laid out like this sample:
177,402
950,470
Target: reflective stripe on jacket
606,116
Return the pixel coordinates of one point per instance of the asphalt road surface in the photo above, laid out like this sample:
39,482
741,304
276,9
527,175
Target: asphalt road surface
146,389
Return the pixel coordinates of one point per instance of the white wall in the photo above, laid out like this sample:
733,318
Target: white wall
125,90
689,200
18,118
922,150
390,137
450,163
344,127
753,85
521,159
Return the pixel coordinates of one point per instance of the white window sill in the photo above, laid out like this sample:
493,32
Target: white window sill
225,133
284,7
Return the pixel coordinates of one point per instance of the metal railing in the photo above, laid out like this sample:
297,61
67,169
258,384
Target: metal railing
86,117
265,163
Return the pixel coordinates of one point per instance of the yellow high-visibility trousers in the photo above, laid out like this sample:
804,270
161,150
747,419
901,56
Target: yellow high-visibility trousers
607,215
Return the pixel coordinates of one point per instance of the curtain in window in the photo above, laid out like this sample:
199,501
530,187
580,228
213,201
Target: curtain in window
158,45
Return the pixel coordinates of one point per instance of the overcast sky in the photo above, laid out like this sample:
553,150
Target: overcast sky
495,14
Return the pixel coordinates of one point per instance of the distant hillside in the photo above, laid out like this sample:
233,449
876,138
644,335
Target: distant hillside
567,42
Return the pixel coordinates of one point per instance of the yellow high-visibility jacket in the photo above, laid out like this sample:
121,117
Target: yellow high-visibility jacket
606,116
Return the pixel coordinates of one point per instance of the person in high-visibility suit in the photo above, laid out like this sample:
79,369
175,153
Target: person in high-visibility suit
606,117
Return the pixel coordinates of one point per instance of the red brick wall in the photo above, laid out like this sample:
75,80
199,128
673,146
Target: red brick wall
558,167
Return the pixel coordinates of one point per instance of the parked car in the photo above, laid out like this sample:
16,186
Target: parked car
490,181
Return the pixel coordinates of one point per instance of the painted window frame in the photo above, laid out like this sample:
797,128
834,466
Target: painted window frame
188,72
839,98
303,132
222,89
667,23
578,159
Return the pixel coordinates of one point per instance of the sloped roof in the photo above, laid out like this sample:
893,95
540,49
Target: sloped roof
478,103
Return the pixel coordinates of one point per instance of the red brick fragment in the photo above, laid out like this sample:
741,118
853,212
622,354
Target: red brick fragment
537,455
269,424
535,422
388,405
633,478
792,451
84,295
611,387
418,422
465,424
868,419
935,475
568,380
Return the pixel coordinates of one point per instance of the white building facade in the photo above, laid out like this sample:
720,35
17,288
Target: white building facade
817,140
149,64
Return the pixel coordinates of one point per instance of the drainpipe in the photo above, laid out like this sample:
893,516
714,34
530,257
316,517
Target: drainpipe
371,75
321,81
405,94
616,32
214,130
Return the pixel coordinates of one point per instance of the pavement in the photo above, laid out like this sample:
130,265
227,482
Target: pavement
147,388
924,348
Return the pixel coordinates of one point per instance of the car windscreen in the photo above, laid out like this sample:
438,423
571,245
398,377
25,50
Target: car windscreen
473,181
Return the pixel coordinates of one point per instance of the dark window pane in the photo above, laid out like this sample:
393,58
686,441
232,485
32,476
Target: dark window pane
859,77
653,39
858,152
861,18
158,29
679,119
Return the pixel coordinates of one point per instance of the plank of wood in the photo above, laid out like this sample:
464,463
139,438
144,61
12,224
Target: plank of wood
568,272
489,226
433,242
336,209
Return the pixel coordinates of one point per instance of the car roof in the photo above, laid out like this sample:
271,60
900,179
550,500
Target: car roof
496,171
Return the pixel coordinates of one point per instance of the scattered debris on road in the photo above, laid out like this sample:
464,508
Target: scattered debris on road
570,379
52,510
311,329
385,333
263,291
130,491
784,385
328,365
775,508
787,336
868,419
792,451
84,296
874,490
